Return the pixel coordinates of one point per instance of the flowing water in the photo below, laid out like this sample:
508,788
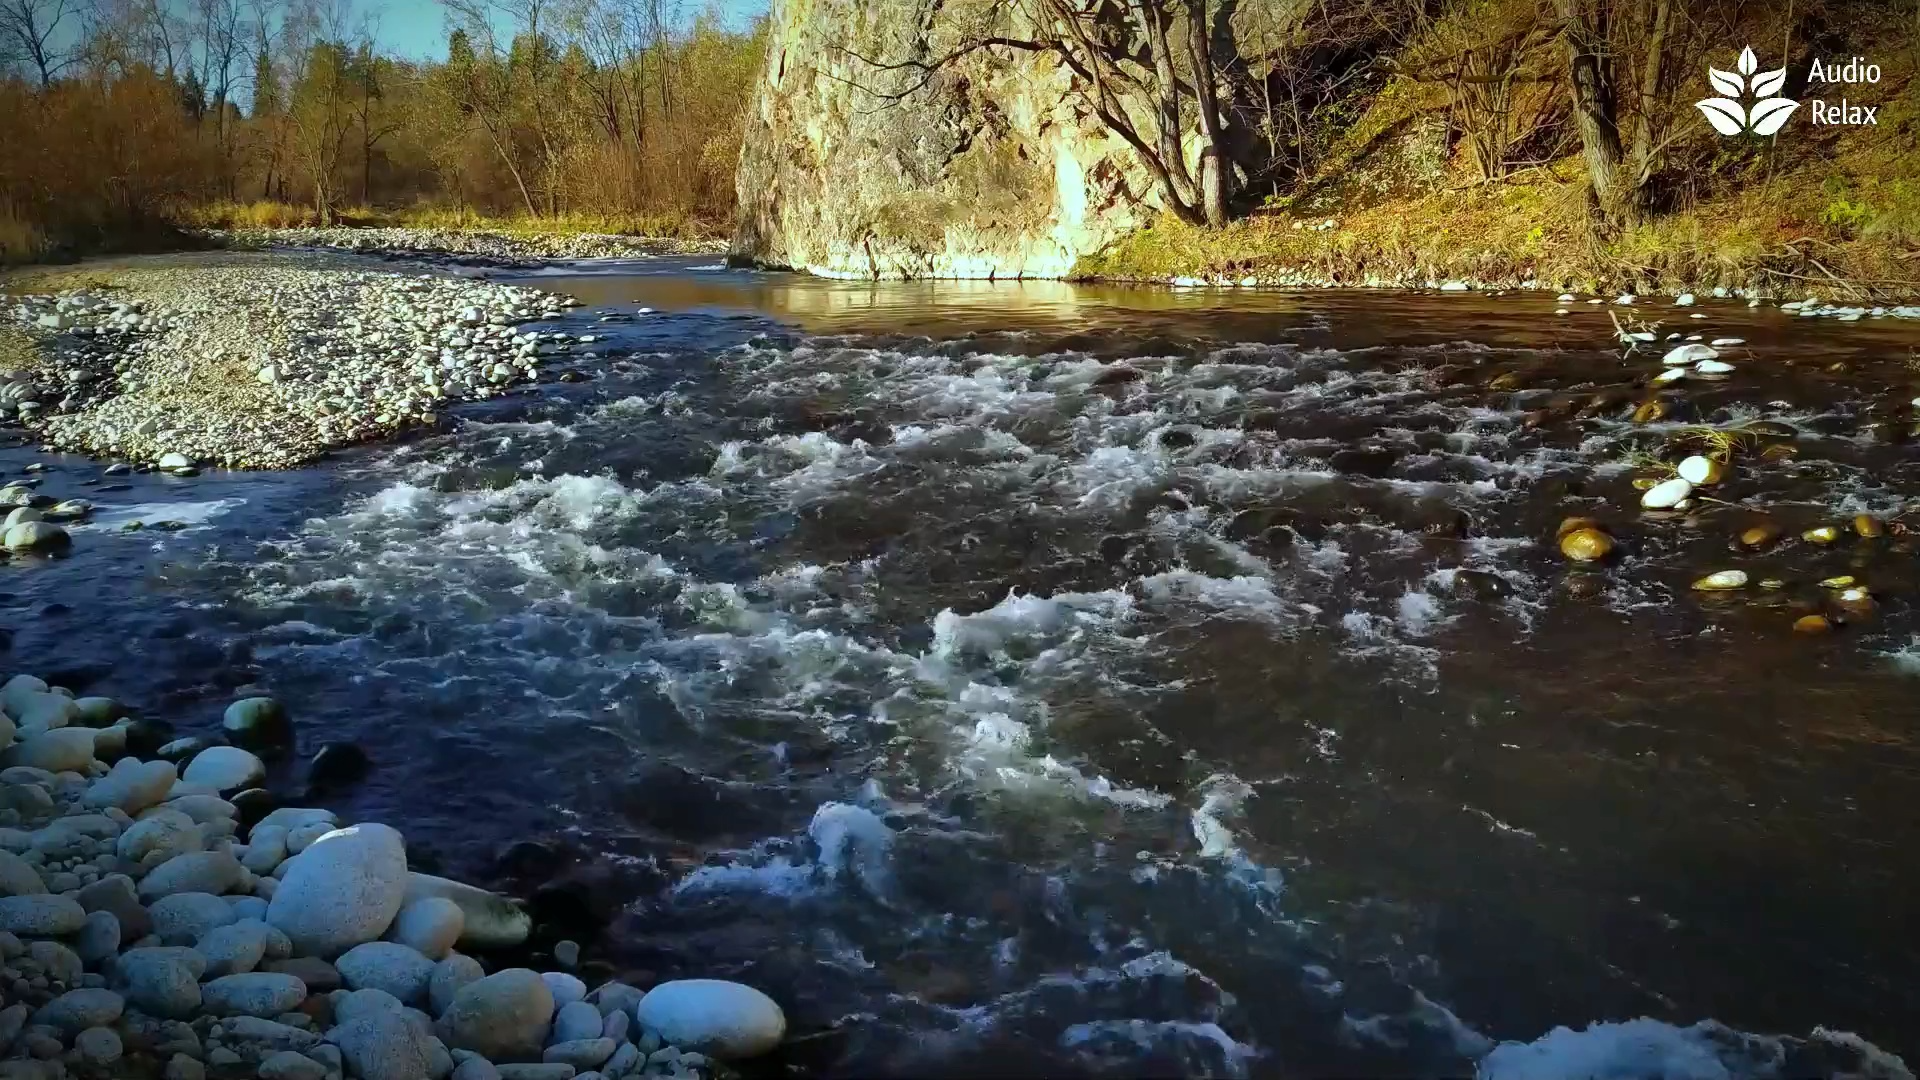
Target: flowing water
1081,681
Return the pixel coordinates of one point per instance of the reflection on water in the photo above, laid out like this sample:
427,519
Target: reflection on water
1063,680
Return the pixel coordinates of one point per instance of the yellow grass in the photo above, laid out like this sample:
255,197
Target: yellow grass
277,215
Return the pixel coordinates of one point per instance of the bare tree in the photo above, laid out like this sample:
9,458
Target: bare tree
320,111
30,31
222,48
487,87
1487,66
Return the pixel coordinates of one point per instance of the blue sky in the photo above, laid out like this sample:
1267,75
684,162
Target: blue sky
418,28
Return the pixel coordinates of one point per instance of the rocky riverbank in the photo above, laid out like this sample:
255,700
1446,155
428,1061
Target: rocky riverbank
492,246
257,361
161,915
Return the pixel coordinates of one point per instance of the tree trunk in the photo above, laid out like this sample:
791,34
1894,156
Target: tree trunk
1215,167
1651,73
1153,25
1593,103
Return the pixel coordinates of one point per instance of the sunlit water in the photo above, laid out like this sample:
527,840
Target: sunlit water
1078,681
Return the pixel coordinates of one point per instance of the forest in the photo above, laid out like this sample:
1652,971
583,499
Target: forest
124,117
1540,127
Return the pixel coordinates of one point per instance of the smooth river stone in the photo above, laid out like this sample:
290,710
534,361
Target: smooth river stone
342,891
225,769
132,785
265,994
430,926
713,1016
384,965
490,921
214,872
501,1017
41,915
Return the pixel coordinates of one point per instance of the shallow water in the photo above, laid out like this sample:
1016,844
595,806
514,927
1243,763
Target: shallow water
1074,680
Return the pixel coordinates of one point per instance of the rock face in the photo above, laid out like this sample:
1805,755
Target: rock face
342,891
992,170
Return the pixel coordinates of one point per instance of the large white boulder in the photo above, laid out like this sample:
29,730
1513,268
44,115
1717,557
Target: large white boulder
225,769
713,1016
342,891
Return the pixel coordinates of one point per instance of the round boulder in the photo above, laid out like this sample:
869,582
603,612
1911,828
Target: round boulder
385,1046
384,965
489,920
335,765
343,890
215,872
265,994
162,982
225,769
60,750
430,926
713,1016
41,915
132,786
450,976
41,537
258,723
502,1017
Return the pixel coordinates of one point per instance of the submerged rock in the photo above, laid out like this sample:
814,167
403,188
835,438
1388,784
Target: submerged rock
37,536
1702,471
1722,580
1667,495
257,723
1586,545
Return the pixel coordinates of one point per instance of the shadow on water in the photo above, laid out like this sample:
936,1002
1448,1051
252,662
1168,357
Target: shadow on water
1067,680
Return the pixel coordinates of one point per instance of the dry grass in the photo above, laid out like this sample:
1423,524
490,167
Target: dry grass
277,215
20,241
1832,211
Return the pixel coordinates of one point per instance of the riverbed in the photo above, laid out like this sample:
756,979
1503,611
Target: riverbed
1079,680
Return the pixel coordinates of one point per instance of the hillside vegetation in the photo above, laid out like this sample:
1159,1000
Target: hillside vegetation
123,121
1415,177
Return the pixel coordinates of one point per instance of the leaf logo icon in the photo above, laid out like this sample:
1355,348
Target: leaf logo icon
1729,115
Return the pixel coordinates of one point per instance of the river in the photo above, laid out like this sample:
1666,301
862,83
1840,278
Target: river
1067,680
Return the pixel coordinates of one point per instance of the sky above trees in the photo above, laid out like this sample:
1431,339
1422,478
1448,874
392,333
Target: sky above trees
417,29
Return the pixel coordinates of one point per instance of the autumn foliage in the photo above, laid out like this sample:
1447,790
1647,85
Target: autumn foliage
617,112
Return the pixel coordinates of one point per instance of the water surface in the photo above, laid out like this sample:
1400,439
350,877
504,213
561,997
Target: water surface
1080,680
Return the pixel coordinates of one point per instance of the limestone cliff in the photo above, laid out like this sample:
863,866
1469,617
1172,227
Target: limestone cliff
990,169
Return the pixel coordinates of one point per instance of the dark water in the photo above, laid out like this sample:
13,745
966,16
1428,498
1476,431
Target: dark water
1074,681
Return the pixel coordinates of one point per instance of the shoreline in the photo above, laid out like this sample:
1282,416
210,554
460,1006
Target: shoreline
258,360
170,916
488,244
